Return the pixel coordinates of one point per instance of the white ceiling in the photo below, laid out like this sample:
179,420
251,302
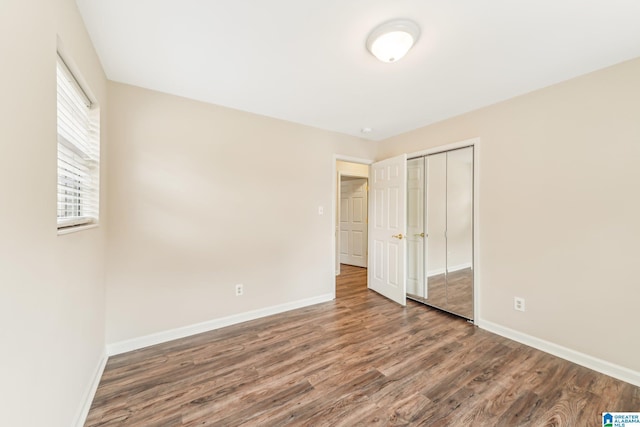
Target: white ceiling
305,60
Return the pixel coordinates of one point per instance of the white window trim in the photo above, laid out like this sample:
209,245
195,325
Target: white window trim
76,228
71,224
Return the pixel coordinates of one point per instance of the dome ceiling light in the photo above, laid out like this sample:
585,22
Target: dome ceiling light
392,40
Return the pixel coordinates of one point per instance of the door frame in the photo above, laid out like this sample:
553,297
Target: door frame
475,143
334,204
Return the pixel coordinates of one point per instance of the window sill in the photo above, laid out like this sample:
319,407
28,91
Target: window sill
69,230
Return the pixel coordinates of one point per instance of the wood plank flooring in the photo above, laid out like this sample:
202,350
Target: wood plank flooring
359,360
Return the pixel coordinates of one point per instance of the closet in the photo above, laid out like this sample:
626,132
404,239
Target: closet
440,230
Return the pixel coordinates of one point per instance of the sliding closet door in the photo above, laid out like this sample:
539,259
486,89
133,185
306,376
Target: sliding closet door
448,231
436,229
460,232
415,228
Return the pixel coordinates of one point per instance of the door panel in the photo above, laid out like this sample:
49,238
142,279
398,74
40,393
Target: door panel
344,207
378,208
392,207
393,278
436,219
357,238
388,219
460,232
378,261
357,208
353,222
449,231
415,227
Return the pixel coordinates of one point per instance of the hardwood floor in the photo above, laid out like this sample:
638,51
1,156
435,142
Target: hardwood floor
359,360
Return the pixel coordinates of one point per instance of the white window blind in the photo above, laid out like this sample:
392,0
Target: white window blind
78,153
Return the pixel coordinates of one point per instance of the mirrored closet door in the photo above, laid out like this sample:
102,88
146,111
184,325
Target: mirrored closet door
440,230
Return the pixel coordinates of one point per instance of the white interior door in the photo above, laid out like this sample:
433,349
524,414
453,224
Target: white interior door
353,222
387,228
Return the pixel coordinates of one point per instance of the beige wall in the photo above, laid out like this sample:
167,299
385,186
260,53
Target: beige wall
204,197
559,209
51,287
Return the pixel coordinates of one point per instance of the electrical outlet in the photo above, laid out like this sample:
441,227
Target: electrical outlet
518,303
239,290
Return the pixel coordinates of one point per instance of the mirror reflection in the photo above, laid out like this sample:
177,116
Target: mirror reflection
460,232
415,227
436,220
440,230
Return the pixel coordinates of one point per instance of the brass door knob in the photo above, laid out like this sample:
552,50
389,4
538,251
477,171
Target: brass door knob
398,236
420,235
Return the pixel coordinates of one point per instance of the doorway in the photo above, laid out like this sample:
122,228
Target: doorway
351,213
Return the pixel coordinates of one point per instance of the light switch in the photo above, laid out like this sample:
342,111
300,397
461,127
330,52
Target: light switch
320,210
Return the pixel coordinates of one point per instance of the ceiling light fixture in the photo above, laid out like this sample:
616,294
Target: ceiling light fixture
392,40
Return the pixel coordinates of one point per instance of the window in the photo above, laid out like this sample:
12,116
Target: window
78,153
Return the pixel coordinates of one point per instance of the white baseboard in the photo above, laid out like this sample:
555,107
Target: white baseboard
91,392
602,366
185,331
